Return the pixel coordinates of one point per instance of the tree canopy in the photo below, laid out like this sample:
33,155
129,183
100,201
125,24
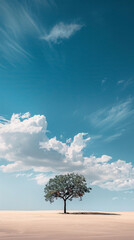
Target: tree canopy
66,187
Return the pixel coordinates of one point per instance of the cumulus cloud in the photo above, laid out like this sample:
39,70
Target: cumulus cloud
25,115
25,146
61,31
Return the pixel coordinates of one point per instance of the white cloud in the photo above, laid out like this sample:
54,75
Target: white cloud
54,144
103,159
25,115
3,119
30,125
25,146
42,179
62,31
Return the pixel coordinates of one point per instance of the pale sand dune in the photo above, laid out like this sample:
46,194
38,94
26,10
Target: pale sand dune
46,225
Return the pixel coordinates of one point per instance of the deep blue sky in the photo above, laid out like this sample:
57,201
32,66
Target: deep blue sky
82,81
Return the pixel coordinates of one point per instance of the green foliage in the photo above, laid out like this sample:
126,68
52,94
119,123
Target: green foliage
66,186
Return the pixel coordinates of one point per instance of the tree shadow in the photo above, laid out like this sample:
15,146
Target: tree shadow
92,213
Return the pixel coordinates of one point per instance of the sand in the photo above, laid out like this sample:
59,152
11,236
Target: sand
46,225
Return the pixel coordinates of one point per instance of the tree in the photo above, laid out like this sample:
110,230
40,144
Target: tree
66,187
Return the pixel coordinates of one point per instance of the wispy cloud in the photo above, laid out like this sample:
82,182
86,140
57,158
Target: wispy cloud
2,119
129,82
61,31
125,83
113,116
113,137
120,82
17,23
28,175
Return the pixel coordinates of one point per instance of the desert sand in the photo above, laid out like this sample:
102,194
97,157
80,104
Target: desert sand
46,225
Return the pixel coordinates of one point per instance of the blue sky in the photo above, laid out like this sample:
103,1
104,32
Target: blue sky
66,101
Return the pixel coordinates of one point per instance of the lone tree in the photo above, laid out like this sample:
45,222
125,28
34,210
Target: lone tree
67,187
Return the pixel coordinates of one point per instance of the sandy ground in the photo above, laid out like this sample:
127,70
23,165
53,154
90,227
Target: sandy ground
46,225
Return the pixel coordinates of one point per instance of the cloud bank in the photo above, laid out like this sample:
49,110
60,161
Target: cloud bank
24,145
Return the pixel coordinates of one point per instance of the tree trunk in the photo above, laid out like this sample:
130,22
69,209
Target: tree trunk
64,206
